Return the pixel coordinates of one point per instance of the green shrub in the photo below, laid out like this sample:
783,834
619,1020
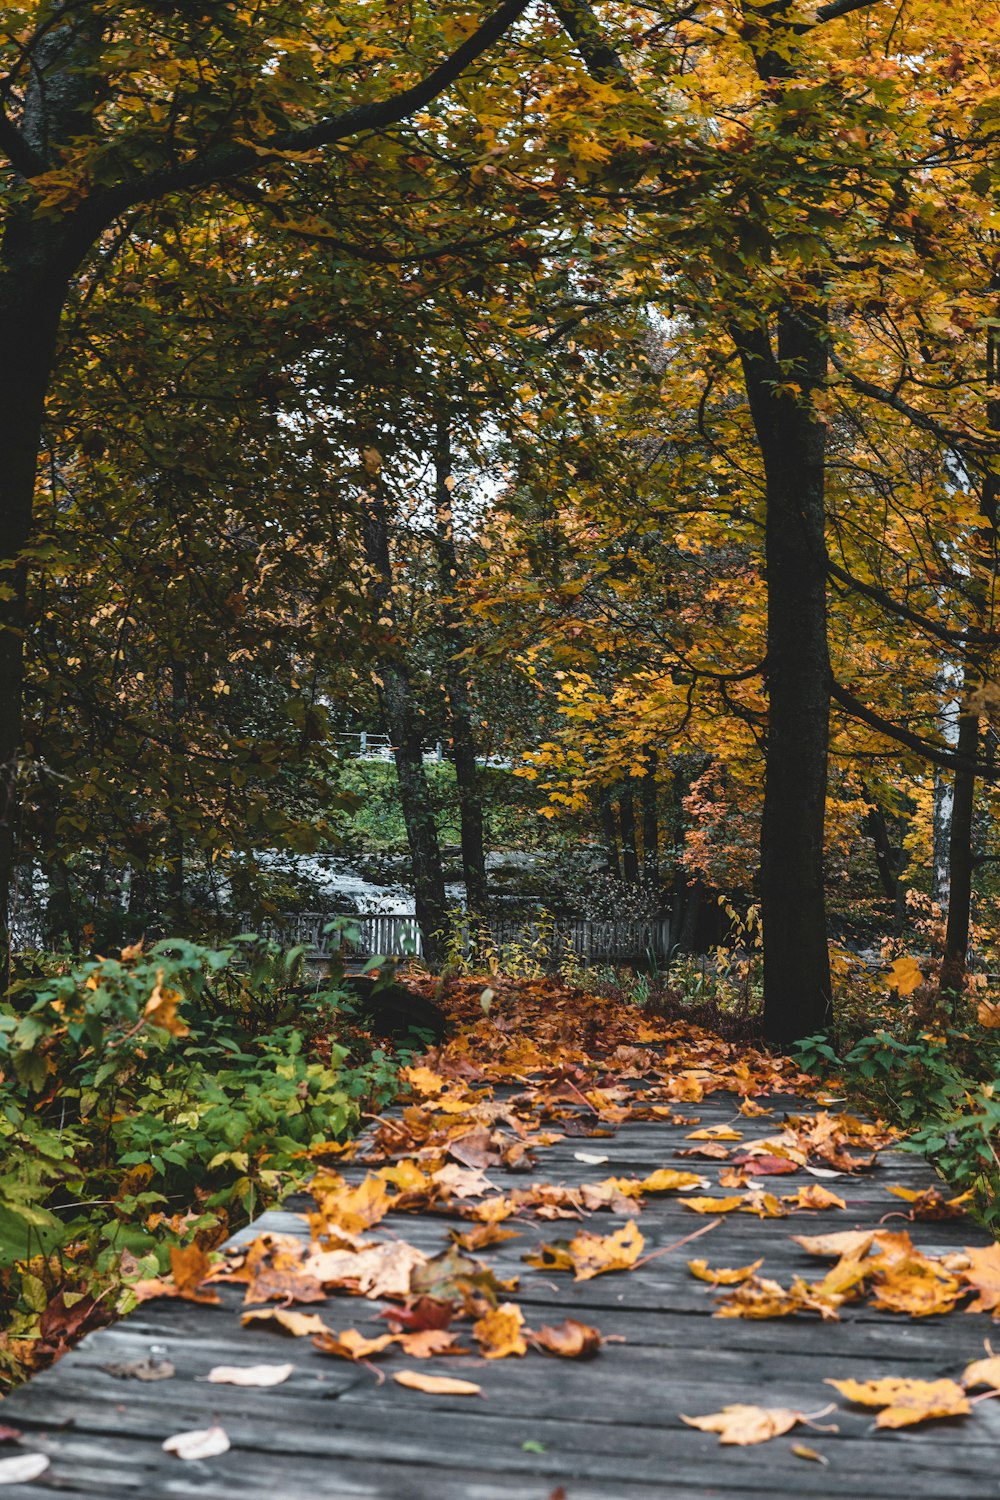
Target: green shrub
156,1098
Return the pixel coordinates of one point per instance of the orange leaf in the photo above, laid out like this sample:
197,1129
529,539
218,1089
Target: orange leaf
569,1340
436,1385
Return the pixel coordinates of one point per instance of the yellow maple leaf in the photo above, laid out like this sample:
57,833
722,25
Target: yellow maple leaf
905,975
906,1402
498,1332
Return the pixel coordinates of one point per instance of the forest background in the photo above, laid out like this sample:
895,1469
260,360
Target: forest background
608,394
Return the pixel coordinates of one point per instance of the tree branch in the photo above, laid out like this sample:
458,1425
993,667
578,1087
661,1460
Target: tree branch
16,149
223,162
936,754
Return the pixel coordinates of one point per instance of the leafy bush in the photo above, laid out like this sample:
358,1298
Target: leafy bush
933,1069
153,1099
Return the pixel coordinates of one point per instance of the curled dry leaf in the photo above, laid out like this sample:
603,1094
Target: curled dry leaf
801,1450
983,1372
249,1374
745,1425
723,1275
22,1468
930,1203
351,1344
499,1332
906,1402
202,1442
481,1236
568,1340
436,1385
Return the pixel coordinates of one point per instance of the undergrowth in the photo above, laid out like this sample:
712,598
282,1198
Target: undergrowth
153,1100
927,1063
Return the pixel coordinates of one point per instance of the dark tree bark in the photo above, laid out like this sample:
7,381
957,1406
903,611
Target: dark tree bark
650,826
402,724
609,834
463,742
960,855
797,983
630,854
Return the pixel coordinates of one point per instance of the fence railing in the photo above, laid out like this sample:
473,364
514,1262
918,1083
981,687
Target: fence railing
397,935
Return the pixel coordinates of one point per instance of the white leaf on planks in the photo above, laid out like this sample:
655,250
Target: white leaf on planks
592,1158
201,1442
22,1468
249,1374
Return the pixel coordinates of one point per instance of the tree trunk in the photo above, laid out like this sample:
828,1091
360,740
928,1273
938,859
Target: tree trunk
960,861
797,982
463,743
609,834
650,828
31,300
402,724
630,854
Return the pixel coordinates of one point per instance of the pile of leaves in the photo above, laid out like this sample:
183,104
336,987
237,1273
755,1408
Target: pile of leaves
154,1102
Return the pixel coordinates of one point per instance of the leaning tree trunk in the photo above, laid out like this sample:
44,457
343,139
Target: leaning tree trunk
630,854
797,982
403,725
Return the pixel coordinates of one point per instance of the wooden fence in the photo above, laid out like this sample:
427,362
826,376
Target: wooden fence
550,940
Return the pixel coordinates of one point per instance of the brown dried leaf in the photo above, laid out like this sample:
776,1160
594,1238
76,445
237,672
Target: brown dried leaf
568,1340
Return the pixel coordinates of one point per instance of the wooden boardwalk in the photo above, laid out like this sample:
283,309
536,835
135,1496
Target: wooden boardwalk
544,1428
602,1429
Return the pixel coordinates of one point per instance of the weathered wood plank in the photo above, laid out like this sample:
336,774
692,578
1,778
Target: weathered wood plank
610,1429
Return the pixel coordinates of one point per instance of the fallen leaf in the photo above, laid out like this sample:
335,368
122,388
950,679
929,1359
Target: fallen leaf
296,1323
983,1372
142,1369
842,1242
10,1434
351,1344
590,1157
713,1205
22,1468
745,1425
667,1180
815,1195
436,1385
424,1313
429,1342
802,1451
568,1340
249,1374
498,1332
983,1275
203,1442
483,1235
722,1276
906,1402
